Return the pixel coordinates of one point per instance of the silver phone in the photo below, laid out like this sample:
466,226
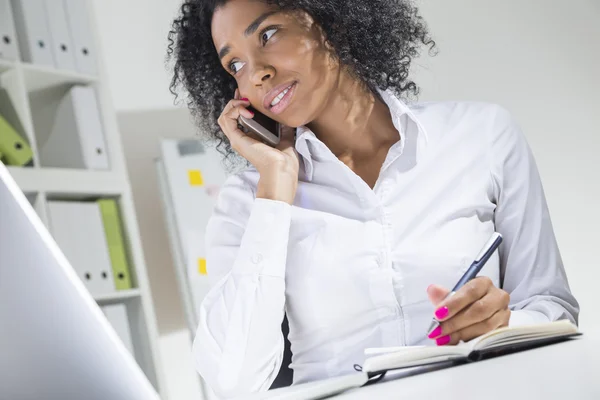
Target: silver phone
262,126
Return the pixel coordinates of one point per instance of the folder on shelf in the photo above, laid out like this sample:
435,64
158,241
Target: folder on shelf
81,33
33,34
116,314
76,138
9,49
62,45
14,149
116,243
78,230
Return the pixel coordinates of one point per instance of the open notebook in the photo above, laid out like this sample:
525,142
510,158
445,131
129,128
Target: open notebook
497,342
414,358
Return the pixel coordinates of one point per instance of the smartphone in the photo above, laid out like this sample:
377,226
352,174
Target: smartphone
262,126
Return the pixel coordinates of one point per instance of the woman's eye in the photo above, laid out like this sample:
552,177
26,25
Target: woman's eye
235,66
268,33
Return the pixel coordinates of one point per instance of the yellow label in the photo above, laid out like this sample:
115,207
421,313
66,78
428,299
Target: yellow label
202,266
195,177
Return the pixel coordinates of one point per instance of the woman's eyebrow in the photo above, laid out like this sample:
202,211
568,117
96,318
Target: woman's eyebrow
254,25
249,31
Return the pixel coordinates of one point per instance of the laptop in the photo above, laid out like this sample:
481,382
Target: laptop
55,342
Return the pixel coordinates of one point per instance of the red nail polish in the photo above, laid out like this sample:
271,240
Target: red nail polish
251,112
441,313
436,332
443,340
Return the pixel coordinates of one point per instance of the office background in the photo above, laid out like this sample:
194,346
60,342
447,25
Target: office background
538,58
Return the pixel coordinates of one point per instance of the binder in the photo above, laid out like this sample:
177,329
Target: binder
81,33
33,34
116,244
116,314
14,149
76,138
62,46
9,49
78,230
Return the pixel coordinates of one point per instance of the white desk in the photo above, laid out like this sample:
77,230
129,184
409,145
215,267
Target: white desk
563,371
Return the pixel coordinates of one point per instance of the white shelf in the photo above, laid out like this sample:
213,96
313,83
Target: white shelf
69,182
42,77
118,297
6,65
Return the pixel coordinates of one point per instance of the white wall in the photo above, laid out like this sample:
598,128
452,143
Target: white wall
537,58
134,35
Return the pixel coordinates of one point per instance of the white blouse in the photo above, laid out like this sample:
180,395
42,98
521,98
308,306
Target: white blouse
350,265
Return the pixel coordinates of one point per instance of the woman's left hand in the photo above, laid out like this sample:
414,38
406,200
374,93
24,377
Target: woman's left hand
477,308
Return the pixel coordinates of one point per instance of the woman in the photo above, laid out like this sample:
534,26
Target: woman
357,225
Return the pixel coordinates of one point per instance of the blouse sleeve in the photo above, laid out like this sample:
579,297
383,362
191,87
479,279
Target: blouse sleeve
238,347
531,268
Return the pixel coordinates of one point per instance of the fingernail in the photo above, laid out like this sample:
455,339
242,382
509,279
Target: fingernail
443,340
244,99
441,313
250,112
436,332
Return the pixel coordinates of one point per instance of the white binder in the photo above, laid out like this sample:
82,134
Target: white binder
9,49
62,46
116,314
76,139
81,33
78,230
33,34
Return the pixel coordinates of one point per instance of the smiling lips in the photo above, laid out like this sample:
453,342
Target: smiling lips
279,97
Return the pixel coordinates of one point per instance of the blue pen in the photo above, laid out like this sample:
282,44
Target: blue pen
473,270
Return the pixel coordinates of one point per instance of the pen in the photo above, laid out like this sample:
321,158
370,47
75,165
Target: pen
484,255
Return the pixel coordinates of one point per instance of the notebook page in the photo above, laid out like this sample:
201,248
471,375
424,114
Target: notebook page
524,338
415,356
375,351
522,333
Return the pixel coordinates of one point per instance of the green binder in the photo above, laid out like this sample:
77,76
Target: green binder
14,149
116,243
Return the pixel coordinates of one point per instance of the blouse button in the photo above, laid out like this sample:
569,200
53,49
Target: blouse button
257,258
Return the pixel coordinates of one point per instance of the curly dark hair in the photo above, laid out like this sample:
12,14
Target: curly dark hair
375,39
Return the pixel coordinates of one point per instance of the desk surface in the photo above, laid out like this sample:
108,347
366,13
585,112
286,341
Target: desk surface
562,371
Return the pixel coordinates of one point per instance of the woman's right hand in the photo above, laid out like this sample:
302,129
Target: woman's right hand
278,166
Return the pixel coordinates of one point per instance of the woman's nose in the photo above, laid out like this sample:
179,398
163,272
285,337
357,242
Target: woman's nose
262,73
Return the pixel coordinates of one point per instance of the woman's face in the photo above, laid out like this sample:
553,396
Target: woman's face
268,53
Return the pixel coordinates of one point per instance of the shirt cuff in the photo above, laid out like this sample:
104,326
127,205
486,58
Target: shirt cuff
526,317
264,246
